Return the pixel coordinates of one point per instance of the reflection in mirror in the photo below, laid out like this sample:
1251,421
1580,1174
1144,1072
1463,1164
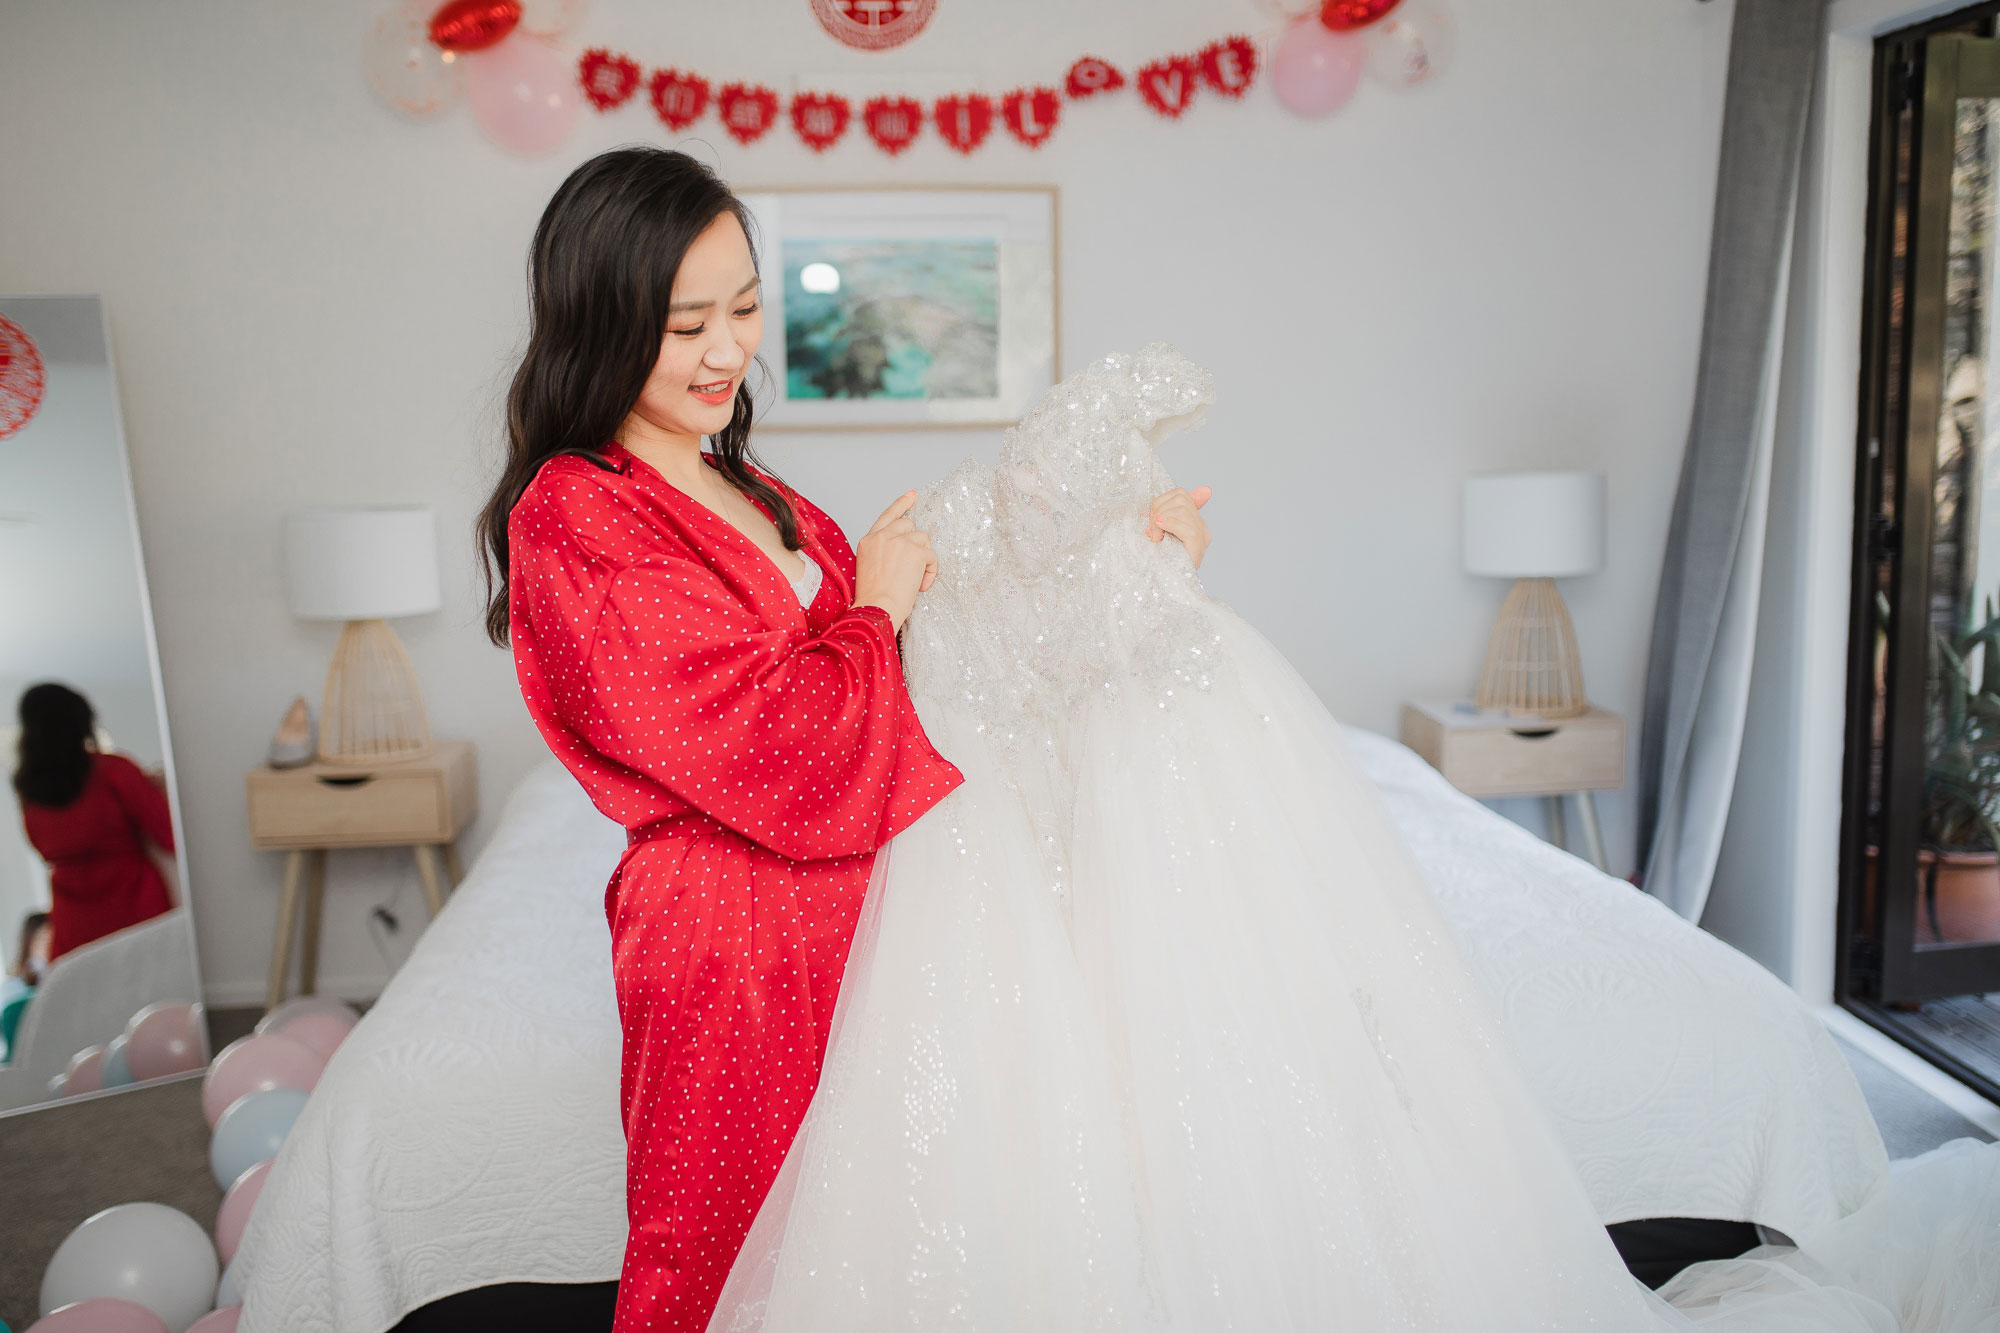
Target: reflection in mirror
101,988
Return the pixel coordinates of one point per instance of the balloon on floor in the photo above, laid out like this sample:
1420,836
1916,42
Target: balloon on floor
165,1039
146,1254
252,1130
257,1063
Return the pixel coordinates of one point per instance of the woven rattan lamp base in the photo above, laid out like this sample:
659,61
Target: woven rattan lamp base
373,712
1532,667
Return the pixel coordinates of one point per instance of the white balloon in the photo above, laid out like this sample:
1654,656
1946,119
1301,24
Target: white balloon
226,1294
307,1004
1411,45
146,1253
407,70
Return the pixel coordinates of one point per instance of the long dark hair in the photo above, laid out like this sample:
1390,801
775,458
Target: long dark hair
56,726
600,274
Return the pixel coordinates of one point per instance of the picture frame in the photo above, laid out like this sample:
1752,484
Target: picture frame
905,307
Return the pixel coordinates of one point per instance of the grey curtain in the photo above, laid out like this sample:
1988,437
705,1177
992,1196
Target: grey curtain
1698,668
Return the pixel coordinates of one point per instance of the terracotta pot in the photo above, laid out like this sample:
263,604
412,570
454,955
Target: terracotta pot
1968,898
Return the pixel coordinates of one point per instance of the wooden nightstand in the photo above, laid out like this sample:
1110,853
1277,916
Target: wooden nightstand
422,804
1490,754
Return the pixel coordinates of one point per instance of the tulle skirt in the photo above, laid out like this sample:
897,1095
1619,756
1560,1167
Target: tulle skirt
1206,1057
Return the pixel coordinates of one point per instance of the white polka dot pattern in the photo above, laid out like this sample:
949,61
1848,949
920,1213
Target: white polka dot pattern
757,741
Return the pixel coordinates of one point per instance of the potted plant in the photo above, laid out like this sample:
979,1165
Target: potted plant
1959,840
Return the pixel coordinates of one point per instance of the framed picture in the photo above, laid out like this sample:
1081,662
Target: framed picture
909,307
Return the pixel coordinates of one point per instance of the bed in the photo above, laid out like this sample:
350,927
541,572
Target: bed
466,1134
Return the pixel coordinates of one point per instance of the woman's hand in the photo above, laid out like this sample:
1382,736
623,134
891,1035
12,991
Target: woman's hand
893,562
1177,512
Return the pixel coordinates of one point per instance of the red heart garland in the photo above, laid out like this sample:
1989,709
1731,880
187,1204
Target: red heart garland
747,111
1347,15
678,99
1031,114
892,122
608,79
964,119
820,119
1230,65
1090,76
1167,84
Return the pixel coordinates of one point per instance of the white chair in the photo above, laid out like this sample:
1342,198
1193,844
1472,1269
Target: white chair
90,993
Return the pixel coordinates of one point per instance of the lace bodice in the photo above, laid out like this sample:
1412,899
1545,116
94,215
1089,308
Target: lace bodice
1048,592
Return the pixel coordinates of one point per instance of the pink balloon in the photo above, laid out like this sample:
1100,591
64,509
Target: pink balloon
254,1064
99,1314
523,93
1315,69
322,1031
85,1072
166,1039
218,1321
234,1215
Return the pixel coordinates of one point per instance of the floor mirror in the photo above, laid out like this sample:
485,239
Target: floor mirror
95,925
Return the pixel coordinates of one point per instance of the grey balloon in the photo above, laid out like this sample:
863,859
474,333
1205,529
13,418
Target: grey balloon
146,1253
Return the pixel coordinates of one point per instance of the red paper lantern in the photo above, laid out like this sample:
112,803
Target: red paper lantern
21,379
608,79
1229,66
820,119
747,110
1031,114
892,122
1168,84
678,99
474,25
1347,15
963,119
1090,76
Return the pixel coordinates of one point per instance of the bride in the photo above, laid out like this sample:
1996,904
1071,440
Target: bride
1153,1025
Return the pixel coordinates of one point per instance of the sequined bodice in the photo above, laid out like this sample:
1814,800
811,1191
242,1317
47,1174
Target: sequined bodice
1048,592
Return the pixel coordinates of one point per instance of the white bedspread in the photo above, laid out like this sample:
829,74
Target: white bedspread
467,1132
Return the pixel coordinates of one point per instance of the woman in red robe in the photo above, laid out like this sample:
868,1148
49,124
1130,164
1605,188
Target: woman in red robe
758,751
95,818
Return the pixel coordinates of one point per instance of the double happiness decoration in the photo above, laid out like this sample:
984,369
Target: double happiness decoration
525,94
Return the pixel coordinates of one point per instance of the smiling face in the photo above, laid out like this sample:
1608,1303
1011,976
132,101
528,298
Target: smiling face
715,320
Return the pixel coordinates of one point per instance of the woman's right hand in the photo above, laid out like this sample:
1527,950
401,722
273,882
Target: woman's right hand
894,562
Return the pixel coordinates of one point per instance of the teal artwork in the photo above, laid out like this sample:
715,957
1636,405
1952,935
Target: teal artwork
915,320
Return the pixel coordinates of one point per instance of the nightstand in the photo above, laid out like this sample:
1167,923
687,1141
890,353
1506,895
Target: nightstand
1492,754
422,804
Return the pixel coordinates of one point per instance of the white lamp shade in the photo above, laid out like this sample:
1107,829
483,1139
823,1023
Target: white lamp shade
361,564
1534,525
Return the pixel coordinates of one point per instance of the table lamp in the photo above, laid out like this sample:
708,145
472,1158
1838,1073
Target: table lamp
363,566
1534,528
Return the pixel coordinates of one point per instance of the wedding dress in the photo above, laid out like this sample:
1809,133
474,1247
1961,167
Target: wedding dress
1153,1025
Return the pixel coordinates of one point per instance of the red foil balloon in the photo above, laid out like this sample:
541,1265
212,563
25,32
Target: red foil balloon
474,25
1347,15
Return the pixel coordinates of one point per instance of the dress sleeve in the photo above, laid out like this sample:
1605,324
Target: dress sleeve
144,803
792,741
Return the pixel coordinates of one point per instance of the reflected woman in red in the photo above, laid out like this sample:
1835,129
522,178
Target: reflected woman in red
94,817
701,647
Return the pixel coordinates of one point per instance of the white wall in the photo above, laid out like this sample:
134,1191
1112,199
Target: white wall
316,302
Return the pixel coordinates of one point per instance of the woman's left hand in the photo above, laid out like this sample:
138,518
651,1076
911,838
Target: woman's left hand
1178,513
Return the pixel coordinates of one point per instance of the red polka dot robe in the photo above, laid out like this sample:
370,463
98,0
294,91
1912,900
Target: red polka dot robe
758,752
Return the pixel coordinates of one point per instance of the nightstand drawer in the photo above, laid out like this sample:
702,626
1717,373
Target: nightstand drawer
421,801
1524,757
